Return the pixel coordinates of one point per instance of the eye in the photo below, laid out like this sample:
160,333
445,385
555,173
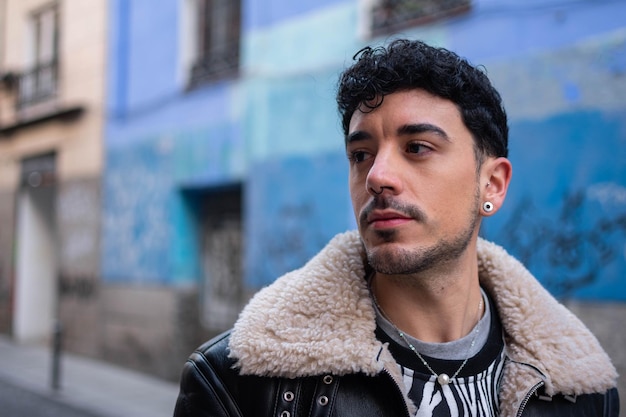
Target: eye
416,147
358,156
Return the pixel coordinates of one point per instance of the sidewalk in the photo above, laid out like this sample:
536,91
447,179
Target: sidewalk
99,388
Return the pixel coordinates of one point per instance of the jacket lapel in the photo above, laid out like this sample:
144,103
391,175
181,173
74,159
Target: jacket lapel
319,319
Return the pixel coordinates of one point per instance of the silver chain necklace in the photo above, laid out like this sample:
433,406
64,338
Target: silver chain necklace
442,378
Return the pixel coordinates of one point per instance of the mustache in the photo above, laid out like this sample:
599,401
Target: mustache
380,202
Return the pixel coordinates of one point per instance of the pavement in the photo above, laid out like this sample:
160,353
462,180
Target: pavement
99,388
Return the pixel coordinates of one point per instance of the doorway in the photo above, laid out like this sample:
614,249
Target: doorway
36,265
222,244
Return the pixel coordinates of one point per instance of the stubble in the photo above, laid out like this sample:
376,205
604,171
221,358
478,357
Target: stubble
402,261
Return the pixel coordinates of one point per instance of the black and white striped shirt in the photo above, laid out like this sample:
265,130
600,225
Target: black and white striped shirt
474,392
475,395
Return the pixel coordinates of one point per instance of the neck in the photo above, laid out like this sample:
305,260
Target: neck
432,307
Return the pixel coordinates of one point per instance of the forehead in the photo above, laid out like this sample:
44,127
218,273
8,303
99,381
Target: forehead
407,107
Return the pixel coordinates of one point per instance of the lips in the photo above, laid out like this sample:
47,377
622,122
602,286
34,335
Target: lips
385,212
384,219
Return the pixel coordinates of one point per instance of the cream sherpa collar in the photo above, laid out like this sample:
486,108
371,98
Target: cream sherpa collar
319,319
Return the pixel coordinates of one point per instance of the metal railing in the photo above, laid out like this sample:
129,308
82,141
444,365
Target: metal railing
37,84
216,64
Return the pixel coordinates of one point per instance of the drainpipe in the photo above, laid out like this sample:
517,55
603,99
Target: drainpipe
57,345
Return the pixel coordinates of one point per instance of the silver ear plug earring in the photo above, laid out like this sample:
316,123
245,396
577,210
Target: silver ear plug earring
488,206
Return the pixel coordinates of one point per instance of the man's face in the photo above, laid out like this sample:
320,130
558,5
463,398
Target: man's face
416,152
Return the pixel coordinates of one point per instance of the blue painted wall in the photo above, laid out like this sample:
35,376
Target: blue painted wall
298,203
565,216
560,67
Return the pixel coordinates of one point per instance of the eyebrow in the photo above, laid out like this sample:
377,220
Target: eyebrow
357,136
413,129
408,129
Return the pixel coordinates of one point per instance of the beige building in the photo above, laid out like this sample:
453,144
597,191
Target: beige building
52,69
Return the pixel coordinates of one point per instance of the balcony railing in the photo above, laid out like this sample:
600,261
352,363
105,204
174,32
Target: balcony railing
37,85
390,15
35,92
216,64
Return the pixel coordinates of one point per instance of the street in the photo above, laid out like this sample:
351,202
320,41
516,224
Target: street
16,402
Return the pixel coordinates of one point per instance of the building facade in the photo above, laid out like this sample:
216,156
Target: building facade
51,123
225,161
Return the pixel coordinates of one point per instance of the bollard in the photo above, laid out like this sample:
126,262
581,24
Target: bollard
57,339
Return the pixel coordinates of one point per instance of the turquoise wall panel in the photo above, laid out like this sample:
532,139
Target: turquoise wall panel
262,13
292,116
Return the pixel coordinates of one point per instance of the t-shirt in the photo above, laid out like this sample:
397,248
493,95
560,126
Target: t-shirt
474,391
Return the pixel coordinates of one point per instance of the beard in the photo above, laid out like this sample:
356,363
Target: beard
416,260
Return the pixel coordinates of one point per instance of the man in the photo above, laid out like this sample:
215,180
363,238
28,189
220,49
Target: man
413,314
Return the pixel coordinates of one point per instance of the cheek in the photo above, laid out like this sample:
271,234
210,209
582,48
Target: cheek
356,186
359,199
452,200
461,179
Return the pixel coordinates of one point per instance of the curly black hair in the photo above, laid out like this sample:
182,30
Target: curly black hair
410,64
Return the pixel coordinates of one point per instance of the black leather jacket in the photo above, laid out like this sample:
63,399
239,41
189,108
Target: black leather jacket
306,346
210,386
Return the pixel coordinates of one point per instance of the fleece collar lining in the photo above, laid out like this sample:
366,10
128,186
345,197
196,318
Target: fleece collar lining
319,319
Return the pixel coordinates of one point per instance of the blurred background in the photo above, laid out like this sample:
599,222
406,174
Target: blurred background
162,160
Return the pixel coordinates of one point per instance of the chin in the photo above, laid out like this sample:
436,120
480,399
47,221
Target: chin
392,261
377,236
386,249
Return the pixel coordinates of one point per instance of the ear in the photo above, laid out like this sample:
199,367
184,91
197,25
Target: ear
495,177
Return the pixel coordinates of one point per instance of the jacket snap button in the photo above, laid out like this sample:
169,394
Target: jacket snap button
288,396
328,379
323,400
285,414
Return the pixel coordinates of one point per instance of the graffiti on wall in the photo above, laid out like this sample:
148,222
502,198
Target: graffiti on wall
141,184
294,207
136,228
78,205
574,250
293,239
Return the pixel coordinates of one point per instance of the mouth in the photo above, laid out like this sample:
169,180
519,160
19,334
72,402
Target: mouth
387,219
387,214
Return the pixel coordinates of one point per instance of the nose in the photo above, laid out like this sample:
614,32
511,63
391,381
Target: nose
384,174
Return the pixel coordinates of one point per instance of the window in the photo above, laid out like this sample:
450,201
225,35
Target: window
388,16
216,40
39,81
